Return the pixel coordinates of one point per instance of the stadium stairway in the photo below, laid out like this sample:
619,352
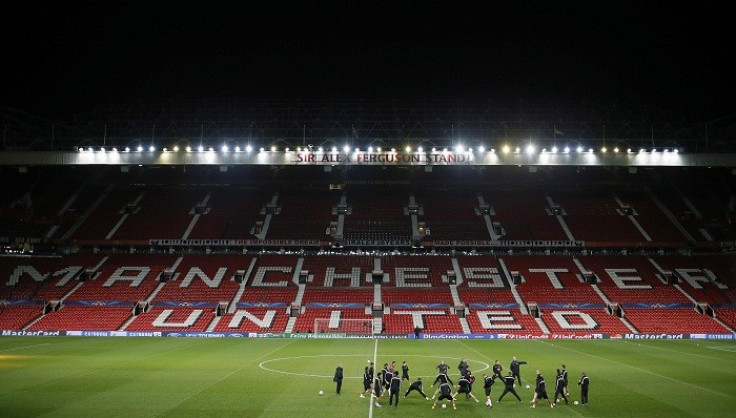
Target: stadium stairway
633,220
668,213
82,219
195,217
560,218
512,286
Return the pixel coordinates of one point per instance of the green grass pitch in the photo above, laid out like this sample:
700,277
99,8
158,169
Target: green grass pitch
192,377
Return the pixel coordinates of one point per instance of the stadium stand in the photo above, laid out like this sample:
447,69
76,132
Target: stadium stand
455,250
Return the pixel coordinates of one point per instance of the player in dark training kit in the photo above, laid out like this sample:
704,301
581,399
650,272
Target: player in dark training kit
338,378
367,379
464,387
515,368
583,383
488,382
445,392
497,369
509,381
560,388
377,389
462,367
404,371
419,387
394,387
540,392
442,367
442,378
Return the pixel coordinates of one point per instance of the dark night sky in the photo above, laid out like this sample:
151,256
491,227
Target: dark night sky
74,56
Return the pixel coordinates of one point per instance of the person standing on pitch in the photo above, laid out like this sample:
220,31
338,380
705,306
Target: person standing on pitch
387,376
445,392
394,387
442,378
560,387
338,378
377,389
418,386
564,376
442,367
497,369
583,383
488,382
540,391
367,379
462,368
404,371
515,368
464,387
509,381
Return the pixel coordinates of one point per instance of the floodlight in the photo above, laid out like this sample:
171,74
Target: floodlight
225,148
140,148
152,148
506,149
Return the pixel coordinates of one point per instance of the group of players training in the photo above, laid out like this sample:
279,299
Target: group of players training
388,379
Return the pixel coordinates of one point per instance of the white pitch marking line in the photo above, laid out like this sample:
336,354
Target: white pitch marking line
370,397
263,364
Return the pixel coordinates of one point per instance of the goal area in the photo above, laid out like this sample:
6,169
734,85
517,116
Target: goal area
343,326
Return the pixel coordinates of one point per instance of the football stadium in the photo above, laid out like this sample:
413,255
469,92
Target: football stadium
183,279
367,210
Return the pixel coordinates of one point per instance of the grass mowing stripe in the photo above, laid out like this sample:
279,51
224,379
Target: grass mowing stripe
642,370
98,369
190,396
692,354
23,347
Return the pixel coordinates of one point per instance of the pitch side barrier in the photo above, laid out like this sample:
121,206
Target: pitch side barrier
311,336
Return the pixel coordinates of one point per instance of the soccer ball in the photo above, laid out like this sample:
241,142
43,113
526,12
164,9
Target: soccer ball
576,402
444,406
528,387
321,393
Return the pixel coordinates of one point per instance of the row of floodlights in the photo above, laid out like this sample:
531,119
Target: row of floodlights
506,149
